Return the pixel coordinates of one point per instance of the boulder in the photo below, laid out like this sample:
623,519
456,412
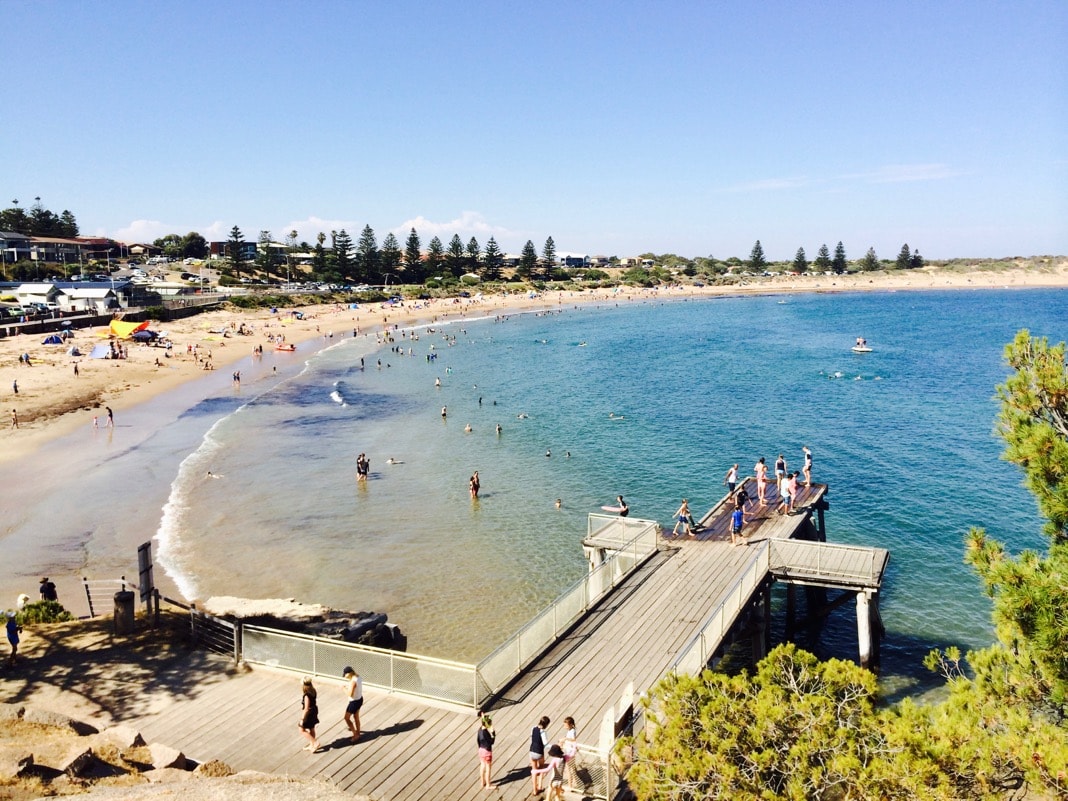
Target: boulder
15,762
77,762
43,717
163,756
9,712
167,775
122,737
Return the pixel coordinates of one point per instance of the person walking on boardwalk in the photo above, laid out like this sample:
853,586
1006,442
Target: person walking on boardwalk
354,691
485,738
555,769
807,469
569,748
761,471
538,737
682,518
737,523
731,479
309,715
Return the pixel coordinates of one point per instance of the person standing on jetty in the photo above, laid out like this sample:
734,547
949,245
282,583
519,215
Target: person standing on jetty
682,518
538,737
485,738
807,469
355,695
309,716
761,471
780,472
731,480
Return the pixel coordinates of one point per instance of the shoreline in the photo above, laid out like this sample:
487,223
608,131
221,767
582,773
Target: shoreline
53,402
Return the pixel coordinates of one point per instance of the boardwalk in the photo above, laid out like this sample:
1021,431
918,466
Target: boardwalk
412,750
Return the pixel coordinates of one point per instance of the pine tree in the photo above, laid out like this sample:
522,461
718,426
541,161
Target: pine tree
823,259
800,264
235,247
454,256
757,262
68,226
528,261
435,258
413,259
474,252
343,254
493,261
390,255
904,258
870,262
916,261
839,265
548,255
368,262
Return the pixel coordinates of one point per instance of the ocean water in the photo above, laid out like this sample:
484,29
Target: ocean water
653,401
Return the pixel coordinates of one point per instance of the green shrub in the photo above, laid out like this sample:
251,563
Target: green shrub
43,612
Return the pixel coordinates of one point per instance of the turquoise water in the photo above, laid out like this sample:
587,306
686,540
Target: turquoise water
653,402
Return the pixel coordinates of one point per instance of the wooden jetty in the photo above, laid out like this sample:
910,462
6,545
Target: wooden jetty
671,613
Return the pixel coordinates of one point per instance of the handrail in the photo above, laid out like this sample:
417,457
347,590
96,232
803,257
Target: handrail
573,601
719,621
781,553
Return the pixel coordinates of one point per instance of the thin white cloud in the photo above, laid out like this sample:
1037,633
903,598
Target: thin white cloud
468,224
903,173
771,185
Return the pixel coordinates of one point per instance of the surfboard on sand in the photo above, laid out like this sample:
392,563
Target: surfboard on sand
616,509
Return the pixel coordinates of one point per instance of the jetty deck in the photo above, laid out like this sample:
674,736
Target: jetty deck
412,749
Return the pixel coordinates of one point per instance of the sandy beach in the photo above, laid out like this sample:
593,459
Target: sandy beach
52,400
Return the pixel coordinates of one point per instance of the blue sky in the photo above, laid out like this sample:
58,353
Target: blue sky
616,128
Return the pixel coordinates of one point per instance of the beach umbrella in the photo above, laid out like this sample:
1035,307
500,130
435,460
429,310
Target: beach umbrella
144,336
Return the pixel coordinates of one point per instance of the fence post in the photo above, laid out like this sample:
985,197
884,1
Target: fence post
193,622
155,598
238,634
88,596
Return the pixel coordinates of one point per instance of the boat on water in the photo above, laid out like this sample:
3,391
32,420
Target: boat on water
290,348
861,346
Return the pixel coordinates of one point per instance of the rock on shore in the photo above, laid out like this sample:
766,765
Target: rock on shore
288,614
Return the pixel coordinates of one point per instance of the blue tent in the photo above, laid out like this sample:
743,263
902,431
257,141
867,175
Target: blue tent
52,339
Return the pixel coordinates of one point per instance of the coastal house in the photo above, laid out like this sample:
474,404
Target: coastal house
14,246
221,250
47,293
54,249
96,299
572,259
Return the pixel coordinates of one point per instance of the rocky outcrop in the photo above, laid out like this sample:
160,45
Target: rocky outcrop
364,628
163,756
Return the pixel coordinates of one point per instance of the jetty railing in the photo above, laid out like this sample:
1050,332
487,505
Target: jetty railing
826,561
545,628
101,592
394,671
701,648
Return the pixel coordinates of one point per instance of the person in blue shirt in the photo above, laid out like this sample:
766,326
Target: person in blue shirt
737,522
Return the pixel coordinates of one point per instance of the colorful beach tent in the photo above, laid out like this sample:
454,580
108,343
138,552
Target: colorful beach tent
124,330
53,339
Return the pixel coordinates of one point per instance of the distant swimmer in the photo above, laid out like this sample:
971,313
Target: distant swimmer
559,503
548,453
437,382
499,429
468,429
444,412
391,460
213,475
522,416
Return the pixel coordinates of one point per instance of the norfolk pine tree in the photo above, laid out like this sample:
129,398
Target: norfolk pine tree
757,262
435,258
840,264
823,259
454,256
904,258
236,254
413,258
390,255
528,261
870,262
367,256
548,253
493,261
800,264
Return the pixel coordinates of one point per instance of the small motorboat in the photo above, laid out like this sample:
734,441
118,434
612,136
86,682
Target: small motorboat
861,346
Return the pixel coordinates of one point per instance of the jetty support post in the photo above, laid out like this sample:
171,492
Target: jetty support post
866,611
